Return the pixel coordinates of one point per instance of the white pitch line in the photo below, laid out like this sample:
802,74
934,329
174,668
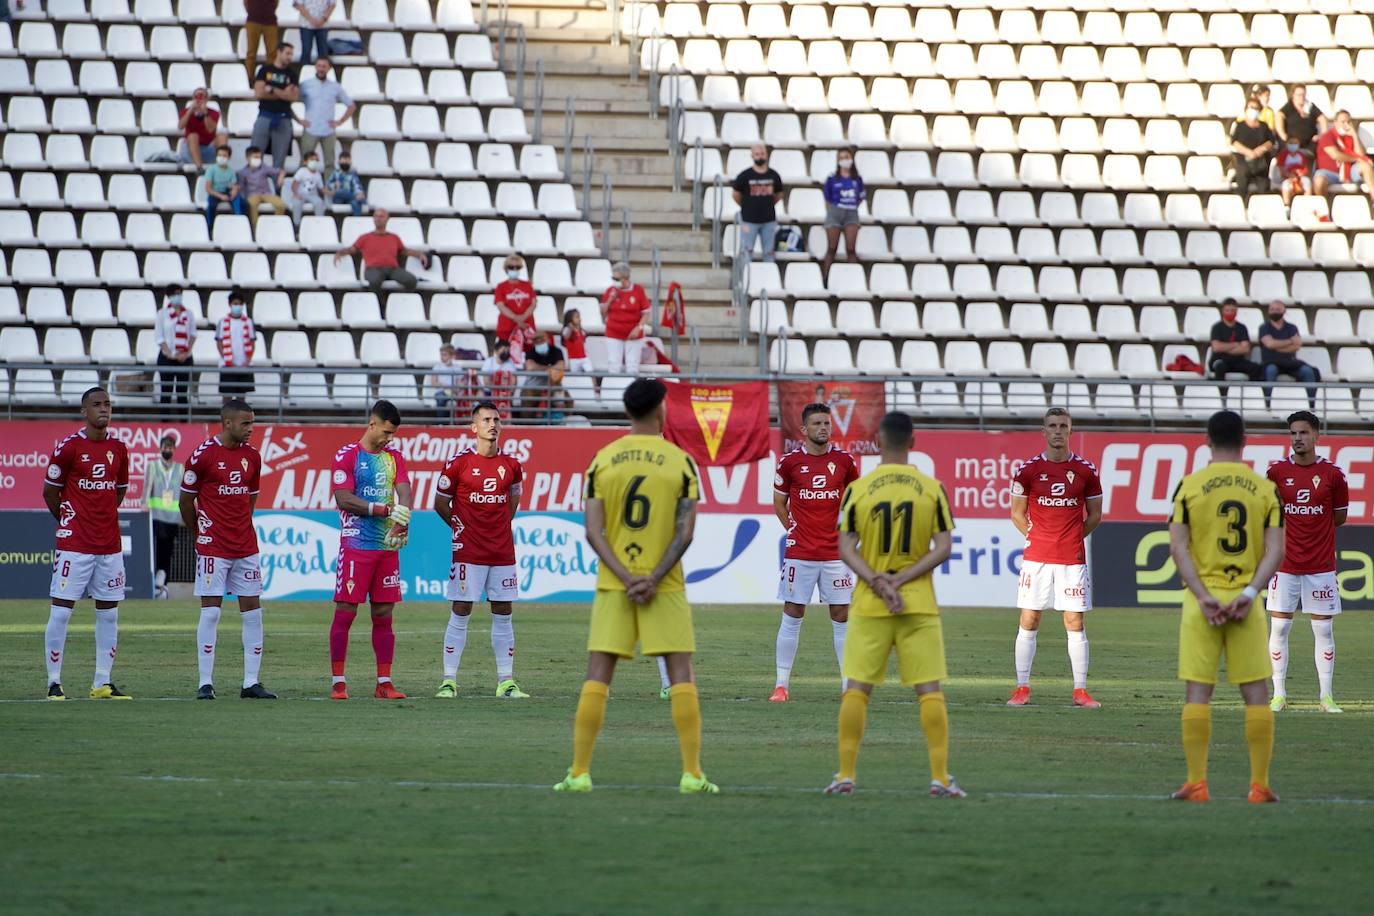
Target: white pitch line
541,787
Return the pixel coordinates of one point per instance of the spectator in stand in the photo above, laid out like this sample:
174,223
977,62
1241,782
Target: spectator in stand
1252,142
382,252
1300,120
1258,92
1231,346
575,343
259,183
844,191
345,187
499,376
1341,158
261,25
307,187
1295,170
443,378
276,86
514,299
623,307
322,96
221,187
758,191
174,332
236,336
545,397
314,15
161,496
1279,345
200,133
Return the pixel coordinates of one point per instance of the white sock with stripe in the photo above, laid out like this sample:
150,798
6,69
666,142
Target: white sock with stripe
207,634
455,640
1078,658
1025,655
55,641
1278,652
106,644
1325,654
503,645
252,646
785,654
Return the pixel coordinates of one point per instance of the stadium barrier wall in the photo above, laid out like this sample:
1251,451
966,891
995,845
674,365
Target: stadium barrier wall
27,546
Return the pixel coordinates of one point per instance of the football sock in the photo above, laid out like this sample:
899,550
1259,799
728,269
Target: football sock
663,673
591,712
252,645
687,721
55,641
455,640
786,653
1025,654
503,645
106,643
338,641
383,646
1325,653
1259,734
853,711
1078,659
935,723
837,631
1278,652
206,635
1197,734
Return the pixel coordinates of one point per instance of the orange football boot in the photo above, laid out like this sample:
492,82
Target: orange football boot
779,695
1192,792
1082,698
1261,795
387,691
1020,696
339,691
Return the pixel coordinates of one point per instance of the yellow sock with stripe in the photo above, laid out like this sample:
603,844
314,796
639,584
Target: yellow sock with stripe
1259,734
853,711
935,723
687,721
591,712
1197,735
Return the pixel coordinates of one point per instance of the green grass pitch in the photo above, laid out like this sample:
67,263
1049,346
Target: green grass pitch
165,805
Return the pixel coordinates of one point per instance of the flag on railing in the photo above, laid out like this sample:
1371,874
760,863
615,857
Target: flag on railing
719,424
674,309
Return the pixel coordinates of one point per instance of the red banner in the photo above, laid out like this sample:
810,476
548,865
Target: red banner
719,424
856,408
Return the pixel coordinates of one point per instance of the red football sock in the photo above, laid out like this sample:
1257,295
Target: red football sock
338,639
383,644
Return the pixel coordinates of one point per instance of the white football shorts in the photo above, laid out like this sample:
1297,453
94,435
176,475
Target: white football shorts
1316,593
803,578
1054,586
468,582
76,574
217,577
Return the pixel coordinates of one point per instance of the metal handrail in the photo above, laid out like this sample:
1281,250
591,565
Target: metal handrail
636,18
675,142
719,185
626,234
615,23
765,308
538,133
606,215
696,347
697,202
656,284
588,158
654,76
569,119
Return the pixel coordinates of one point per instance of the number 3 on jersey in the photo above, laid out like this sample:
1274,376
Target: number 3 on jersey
1237,539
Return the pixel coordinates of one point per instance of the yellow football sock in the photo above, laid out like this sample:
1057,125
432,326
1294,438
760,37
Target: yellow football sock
1197,734
591,711
853,711
687,721
935,723
1259,734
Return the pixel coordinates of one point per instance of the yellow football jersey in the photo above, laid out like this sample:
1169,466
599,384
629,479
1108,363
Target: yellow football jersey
1227,507
895,510
641,479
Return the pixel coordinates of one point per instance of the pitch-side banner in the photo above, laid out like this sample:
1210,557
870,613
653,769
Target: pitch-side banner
855,410
27,546
719,424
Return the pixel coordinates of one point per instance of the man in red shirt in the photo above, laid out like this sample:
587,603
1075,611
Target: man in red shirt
1315,499
382,252
514,300
218,494
623,307
806,498
478,496
84,486
1056,502
1342,158
199,126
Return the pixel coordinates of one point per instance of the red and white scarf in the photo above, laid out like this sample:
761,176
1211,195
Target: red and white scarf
247,335
181,330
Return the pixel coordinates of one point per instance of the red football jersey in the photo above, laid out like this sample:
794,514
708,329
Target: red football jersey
1310,495
814,485
225,482
482,490
1056,494
89,474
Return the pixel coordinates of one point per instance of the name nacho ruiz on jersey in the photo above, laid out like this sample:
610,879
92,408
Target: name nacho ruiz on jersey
1229,480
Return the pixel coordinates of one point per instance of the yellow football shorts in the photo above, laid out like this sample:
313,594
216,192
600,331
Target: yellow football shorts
918,638
1245,644
662,626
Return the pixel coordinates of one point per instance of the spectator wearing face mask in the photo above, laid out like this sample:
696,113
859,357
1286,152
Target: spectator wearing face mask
758,190
514,300
1231,346
1295,170
345,187
221,187
623,307
1300,120
544,394
259,184
1342,158
307,187
844,191
1259,94
161,496
174,333
236,336
1280,342
1252,145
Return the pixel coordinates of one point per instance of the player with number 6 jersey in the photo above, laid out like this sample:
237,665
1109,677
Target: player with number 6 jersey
478,496
218,494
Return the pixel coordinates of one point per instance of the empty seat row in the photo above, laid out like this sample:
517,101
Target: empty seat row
453,15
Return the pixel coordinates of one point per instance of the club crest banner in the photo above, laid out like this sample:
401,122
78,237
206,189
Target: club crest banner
856,409
719,424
